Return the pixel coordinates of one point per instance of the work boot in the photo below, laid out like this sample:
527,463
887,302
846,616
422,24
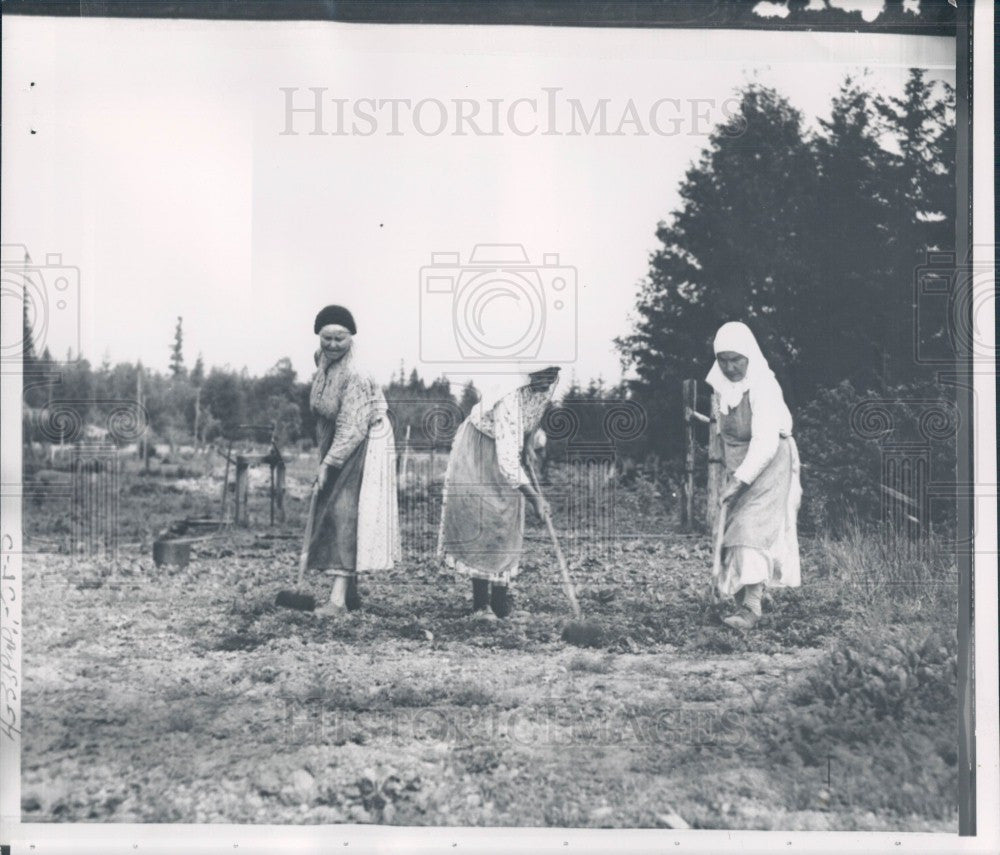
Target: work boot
480,595
352,599
743,619
500,601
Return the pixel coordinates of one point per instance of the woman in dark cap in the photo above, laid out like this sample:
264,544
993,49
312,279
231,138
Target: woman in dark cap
356,527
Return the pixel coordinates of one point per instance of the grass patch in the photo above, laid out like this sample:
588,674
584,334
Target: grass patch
592,664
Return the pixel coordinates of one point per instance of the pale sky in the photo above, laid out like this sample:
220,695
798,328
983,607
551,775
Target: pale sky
158,168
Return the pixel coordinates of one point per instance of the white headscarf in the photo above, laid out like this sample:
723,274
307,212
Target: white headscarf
493,387
736,337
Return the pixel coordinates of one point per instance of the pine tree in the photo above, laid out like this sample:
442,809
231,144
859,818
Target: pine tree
840,316
27,338
732,252
198,372
922,122
177,351
470,397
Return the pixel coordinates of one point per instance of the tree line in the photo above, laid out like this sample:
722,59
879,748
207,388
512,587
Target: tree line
814,237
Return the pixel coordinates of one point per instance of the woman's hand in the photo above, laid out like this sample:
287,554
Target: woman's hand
326,475
732,490
537,501
542,507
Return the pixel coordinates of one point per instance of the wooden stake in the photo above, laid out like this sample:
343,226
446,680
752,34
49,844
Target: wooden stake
197,419
144,446
279,489
716,466
689,394
406,458
241,514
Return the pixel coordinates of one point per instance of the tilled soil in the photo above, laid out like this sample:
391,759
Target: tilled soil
161,695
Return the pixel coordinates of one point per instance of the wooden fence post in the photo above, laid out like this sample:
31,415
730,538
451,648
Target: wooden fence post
689,395
144,441
404,463
716,466
197,420
279,489
241,515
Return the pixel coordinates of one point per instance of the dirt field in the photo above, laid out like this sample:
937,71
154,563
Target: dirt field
163,695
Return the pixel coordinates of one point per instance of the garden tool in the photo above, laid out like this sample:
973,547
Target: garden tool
580,632
297,599
720,533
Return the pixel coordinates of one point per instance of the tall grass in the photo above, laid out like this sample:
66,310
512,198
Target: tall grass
876,565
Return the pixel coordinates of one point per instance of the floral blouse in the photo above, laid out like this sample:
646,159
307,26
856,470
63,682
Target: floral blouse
513,417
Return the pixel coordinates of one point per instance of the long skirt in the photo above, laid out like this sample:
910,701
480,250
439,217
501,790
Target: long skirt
761,541
334,542
482,515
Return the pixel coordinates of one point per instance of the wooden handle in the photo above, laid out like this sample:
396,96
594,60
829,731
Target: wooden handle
307,539
720,533
567,582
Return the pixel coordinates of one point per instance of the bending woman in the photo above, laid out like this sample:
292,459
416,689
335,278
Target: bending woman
760,544
356,523
482,518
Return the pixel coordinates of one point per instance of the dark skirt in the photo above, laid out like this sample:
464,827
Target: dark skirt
334,543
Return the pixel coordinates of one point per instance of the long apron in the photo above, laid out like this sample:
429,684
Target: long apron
760,542
482,519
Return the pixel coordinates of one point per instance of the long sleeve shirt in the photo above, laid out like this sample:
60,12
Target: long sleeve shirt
512,417
358,408
770,420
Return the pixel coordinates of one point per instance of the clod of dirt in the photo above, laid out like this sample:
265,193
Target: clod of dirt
670,820
301,787
601,815
238,641
268,783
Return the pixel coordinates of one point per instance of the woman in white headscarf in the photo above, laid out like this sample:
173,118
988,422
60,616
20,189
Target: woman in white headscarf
482,516
355,524
760,543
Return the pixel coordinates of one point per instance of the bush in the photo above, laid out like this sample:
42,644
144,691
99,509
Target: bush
898,696
843,438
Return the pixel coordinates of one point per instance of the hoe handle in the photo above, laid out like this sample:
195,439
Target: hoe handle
720,533
567,582
307,538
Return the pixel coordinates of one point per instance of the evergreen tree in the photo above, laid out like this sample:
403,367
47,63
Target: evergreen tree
27,337
840,314
732,252
922,123
470,397
198,372
177,350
